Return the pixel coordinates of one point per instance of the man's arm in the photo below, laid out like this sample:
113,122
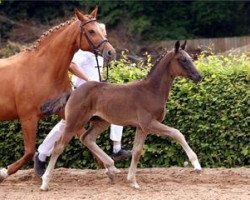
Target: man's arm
76,71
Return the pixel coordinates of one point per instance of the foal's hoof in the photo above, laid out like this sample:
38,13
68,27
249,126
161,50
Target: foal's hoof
111,172
135,186
111,176
133,183
1,179
45,183
196,171
44,188
3,174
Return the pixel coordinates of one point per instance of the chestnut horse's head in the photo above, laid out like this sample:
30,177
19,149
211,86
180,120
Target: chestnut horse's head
92,37
182,64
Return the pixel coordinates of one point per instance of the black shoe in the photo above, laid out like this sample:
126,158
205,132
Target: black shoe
39,166
122,155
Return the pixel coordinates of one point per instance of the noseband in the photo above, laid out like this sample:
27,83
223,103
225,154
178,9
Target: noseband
94,48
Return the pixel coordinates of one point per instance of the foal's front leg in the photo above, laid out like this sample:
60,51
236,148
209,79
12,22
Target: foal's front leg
139,140
163,130
58,149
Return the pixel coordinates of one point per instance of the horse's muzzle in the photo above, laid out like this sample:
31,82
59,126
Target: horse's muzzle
109,53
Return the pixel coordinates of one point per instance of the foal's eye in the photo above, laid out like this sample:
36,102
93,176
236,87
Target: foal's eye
184,59
91,31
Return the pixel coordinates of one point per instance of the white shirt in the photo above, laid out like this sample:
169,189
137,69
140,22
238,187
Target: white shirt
86,62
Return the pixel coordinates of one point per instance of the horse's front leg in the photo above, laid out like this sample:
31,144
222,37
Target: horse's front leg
29,128
139,140
163,130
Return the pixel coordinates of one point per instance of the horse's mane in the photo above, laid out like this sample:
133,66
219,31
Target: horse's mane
48,33
156,62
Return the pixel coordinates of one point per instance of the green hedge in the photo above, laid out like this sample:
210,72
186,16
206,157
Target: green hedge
213,115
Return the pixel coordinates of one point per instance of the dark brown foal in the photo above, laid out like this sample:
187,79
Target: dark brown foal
140,104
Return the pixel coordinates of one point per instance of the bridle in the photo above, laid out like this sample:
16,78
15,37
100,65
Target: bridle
94,48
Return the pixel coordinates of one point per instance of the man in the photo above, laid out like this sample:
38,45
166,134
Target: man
83,68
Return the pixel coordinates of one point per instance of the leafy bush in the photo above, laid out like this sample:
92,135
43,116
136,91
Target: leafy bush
213,115
10,49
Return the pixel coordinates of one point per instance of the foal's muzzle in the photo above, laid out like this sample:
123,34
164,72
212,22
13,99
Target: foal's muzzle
197,78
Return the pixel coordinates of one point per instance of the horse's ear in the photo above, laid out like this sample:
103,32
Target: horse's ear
79,15
183,46
94,12
177,46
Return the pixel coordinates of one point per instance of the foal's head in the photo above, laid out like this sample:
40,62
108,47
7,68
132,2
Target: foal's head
92,37
182,64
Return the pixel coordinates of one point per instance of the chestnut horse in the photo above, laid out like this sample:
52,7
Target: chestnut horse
140,104
37,74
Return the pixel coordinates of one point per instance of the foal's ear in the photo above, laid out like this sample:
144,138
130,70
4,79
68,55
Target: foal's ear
94,12
177,46
79,15
183,46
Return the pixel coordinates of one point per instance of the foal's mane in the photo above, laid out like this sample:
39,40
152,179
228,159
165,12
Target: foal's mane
157,61
50,32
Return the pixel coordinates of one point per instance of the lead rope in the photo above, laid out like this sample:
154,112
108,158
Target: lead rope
98,67
99,71
107,74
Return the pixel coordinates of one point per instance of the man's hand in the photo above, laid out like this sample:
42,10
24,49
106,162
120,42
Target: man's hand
74,69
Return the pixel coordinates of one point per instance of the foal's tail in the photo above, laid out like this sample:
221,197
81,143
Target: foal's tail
53,106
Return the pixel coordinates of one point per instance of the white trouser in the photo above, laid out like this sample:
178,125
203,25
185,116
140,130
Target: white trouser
116,133
48,143
47,146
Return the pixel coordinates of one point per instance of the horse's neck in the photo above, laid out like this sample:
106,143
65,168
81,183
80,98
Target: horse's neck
160,79
56,51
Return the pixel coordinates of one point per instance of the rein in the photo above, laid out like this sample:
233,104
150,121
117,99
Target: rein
94,48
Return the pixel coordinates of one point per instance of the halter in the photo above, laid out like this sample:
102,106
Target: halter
94,48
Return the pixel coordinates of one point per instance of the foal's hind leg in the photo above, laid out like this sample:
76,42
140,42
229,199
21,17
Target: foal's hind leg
29,128
163,130
79,134
139,140
89,140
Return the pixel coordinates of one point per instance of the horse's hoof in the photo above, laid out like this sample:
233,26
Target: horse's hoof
3,174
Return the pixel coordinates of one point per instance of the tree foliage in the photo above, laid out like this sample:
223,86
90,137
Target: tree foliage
157,20
148,20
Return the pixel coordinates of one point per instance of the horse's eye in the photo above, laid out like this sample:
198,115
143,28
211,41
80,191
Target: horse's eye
91,31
